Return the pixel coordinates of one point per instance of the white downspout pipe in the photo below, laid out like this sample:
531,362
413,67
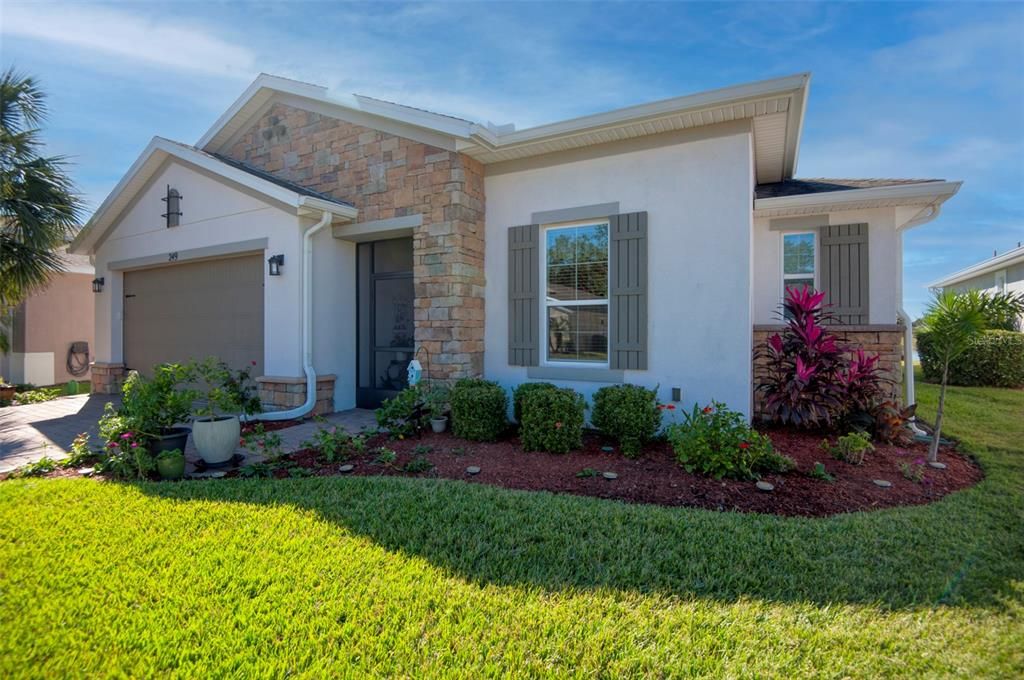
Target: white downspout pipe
908,330
307,328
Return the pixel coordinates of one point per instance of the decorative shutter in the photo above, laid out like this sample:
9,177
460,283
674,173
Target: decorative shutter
844,271
627,291
523,295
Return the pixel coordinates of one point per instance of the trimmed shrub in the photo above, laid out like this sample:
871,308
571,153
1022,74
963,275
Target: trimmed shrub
405,414
520,393
717,442
479,409
552,420
627,413
995,359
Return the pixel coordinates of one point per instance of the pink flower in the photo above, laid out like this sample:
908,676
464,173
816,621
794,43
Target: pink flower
558,425
253,363
671,407
126,435
135,445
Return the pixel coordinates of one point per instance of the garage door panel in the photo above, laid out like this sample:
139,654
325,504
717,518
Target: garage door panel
194,310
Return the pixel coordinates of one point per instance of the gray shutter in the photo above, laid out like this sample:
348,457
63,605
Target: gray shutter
627,284
523,295
843,259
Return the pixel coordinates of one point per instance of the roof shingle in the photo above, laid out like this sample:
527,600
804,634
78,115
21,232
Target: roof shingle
818,185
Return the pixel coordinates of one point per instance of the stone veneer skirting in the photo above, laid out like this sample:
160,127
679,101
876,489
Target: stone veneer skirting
106,378
885,340
280,393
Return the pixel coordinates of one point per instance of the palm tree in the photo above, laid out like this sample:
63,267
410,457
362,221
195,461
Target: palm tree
39,208
952,321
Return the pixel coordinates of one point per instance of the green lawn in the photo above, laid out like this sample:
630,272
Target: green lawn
355,577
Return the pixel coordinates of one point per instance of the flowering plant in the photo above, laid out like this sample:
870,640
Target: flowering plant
126,456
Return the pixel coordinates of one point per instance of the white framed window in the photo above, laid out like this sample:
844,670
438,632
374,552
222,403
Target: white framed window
575,309
799,260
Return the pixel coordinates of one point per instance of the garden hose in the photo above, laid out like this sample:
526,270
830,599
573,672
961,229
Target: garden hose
78,359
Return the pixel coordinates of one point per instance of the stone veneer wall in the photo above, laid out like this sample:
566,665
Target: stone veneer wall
282,393
386,176
883,340
106,378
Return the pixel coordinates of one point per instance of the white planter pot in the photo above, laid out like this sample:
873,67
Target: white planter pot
438,424
216,439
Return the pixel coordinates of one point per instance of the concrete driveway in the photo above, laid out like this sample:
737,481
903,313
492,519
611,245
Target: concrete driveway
27,433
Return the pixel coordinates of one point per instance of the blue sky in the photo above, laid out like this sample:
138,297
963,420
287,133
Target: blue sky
898,90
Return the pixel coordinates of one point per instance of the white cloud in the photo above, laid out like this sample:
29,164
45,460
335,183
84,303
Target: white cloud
159,40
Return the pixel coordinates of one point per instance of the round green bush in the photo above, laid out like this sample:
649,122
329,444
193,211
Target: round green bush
552,420
520,393
995,359
479,409
627,413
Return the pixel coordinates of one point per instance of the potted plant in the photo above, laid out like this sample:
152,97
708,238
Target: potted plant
171,464
6,391
224,395
157,406
436,402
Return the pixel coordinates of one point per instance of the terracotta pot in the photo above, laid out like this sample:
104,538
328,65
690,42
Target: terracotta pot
216,438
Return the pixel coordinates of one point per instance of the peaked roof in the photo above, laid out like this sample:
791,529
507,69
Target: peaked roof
775,108
992,264
297,197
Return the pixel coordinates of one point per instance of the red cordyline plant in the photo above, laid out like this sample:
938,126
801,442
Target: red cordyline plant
809,380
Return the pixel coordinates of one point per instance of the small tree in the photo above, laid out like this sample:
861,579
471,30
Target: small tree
952,321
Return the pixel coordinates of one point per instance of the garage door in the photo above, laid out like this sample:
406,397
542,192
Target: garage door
195,310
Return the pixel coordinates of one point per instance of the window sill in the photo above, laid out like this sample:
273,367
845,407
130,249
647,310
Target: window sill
579,373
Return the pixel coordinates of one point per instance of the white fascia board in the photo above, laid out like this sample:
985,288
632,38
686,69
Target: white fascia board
319,205
994,264
940,191
721,97
795,129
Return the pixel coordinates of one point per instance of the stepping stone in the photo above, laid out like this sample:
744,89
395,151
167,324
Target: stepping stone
608,449
765,486
473,470
884,483
609,475
347,468
86,471
937,465
209,474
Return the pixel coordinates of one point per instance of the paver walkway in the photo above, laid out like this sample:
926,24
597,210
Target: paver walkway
27,433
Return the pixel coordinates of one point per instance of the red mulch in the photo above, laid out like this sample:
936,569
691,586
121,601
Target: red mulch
656,477
270,425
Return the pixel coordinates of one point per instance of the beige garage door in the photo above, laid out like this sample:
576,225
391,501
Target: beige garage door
194,310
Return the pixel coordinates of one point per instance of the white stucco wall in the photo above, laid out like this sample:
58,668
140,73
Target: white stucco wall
698,198
334,314
884,253
214,214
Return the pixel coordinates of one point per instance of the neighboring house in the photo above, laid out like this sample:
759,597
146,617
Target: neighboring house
998,274
51,332
647,245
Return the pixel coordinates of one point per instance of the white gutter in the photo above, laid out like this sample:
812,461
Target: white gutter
307,328
908,329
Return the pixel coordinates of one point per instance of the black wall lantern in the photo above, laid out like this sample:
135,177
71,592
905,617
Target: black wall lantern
97,285
276,262
173,201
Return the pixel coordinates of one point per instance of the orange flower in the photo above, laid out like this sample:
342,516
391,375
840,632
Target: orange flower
707,409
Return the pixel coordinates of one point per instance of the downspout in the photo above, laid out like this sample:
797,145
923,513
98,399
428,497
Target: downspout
307,328
901,313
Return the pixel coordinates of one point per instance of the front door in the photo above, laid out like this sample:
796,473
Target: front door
385,319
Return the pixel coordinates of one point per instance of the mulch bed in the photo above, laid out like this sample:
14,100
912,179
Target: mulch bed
270,425
656,477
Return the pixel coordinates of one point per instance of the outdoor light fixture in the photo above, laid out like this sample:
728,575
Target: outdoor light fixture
97,285
173,201
276,262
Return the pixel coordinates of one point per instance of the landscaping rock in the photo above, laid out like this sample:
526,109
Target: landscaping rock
208,474
608,449
884,483
937,465
765,486
347,468
86,471
609,475
473,470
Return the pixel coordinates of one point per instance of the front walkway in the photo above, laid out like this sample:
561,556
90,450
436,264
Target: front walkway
27,433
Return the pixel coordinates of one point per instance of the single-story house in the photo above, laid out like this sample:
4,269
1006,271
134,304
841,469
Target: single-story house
998,274
339,237
51,332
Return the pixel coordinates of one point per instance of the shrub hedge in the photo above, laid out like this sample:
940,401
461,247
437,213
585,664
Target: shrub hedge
520,393
479,409
995,359
627,413
552,420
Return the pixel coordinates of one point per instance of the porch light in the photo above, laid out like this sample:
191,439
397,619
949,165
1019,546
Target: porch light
97,285
173,201
275,262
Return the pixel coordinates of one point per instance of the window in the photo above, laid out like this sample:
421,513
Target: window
576,293
799,262
1001,281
